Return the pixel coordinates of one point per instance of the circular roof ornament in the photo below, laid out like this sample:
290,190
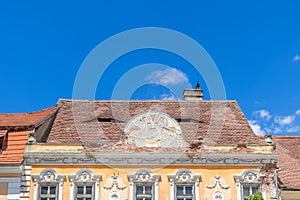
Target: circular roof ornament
154,129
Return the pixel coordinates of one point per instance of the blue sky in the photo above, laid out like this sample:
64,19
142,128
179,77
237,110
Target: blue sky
254,44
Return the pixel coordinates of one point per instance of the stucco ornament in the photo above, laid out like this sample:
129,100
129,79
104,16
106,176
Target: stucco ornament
115,189
154,129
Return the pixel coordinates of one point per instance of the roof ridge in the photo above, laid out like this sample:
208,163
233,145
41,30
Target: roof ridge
286,136
153,100
33,112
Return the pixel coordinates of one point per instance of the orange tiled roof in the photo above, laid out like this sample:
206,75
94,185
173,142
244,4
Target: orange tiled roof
2,132
16,126
8,121
287,148
13,154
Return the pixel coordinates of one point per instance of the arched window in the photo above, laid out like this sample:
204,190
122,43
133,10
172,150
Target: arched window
48,185
84,185
247,184
144,185
184,185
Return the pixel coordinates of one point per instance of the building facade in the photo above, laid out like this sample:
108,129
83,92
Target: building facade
14,132
189,149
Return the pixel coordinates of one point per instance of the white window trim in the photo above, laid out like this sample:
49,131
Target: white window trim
143,176
184,177
244,180
44,179
93,180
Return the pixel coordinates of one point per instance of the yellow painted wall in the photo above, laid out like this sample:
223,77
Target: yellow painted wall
207,175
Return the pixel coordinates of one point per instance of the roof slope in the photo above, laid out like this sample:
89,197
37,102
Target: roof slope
79,121
16,141
8,121
288,160
14,133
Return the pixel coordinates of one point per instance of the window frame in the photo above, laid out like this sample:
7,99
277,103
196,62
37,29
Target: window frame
48,178
143,177
249,178
84,177
184,177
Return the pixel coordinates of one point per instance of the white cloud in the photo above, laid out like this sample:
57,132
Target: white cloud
293,129
264,122
296,58
168,97
170,76
284,120
264,114
256,127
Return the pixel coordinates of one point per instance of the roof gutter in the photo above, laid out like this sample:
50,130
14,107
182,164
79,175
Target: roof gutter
276,182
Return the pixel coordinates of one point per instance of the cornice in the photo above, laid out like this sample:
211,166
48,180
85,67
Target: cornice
158,158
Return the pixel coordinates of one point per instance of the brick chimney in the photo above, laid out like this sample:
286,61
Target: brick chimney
193,94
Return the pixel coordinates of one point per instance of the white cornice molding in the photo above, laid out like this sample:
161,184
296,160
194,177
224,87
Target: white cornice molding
159,158
10,169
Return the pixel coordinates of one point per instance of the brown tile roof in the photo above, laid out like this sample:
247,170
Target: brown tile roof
13,154
22,120
222,122
288,160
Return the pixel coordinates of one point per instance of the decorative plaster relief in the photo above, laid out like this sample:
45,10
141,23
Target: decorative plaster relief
154,129
218,190
115,189
218,183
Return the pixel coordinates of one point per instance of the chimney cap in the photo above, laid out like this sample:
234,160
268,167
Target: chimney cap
193,94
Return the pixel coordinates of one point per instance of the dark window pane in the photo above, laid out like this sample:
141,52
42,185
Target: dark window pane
179,190
148,189
52,190
43,198
139,189
80,190
44,190
254,189
88,198
148,198
79,198
246,191
52,199
188,190
89,189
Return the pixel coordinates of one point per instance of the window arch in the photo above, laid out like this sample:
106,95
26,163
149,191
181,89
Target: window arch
48,185
144,185
184,185
248,183
84,185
